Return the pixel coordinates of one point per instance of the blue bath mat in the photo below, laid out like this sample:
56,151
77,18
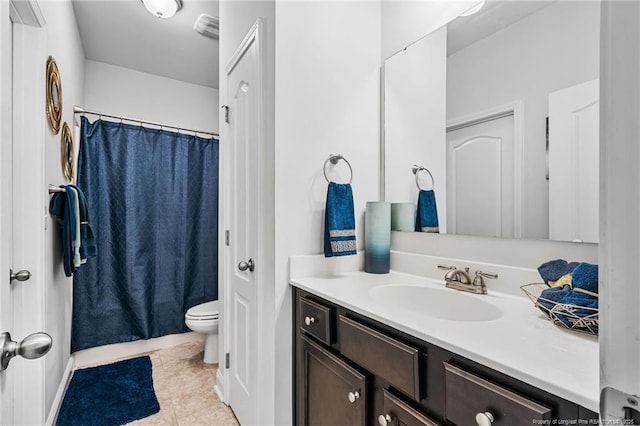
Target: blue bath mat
112,394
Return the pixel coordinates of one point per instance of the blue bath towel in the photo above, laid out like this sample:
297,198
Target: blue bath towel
88,247
427,213
585,319
339,221
550,296
555,269
62,208
585,276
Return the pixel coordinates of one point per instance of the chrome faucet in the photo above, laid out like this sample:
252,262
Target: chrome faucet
460,280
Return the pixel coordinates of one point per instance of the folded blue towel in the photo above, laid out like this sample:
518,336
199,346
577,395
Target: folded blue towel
555,269
585,276
552,295
427,213
88,247
339,221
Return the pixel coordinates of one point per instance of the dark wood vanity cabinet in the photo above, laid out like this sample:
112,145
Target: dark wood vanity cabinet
352,370
334,393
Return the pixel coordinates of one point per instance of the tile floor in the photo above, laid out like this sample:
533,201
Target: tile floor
184,388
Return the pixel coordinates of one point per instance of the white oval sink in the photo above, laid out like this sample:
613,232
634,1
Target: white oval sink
446,304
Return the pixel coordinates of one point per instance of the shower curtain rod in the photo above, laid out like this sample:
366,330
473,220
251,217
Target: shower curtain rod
80,110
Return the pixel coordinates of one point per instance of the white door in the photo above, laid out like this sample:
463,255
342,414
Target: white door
574,143
7,377
242,141
480,178
21,207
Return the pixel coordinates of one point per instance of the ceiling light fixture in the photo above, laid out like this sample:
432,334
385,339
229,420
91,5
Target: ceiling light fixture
474,9
162,8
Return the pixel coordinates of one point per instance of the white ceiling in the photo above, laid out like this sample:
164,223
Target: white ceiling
123,33
493,17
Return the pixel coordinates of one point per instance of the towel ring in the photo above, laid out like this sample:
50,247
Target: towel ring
417,169
334,158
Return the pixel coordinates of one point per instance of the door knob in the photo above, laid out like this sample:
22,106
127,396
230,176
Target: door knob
484,419
385,419
243,266
20,275
309,320
33,346
353,396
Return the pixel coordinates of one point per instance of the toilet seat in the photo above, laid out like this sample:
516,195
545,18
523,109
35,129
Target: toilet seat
204,311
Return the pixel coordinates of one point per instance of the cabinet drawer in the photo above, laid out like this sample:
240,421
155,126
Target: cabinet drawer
467,395
399,412
384,356
333,392
316,320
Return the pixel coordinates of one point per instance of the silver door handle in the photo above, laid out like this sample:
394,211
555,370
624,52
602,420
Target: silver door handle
243,266
33,346
20,275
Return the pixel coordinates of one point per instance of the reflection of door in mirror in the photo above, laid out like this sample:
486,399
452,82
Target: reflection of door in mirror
480,178
574,163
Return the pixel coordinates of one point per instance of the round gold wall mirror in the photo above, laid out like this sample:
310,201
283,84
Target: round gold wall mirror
66,152
54,95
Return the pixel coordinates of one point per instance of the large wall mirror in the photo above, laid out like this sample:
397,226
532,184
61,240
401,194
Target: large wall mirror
501,106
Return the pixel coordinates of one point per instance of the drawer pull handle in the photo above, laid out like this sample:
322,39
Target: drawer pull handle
353,396
484,419
385,419
309,320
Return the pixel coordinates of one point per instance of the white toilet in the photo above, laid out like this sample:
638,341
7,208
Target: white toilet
203,318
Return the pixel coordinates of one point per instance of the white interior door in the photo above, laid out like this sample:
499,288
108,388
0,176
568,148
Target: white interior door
21,207
243,135
480,178
574,143
7,377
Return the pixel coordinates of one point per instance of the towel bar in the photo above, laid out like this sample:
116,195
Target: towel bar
417,169
334,158
54,189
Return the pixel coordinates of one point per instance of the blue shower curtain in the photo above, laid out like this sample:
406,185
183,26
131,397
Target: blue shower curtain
153,200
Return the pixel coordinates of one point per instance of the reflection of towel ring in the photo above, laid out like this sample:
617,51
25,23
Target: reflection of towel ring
334,158
417,169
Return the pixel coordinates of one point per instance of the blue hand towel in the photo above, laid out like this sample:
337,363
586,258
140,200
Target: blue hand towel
552,296
88,246
555,269
339,221
427,213
585,276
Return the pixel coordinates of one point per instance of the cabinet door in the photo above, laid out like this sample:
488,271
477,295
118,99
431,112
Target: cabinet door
397,412
331,391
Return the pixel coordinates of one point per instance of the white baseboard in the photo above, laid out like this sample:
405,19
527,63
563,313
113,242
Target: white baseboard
219,387
62,388
117,351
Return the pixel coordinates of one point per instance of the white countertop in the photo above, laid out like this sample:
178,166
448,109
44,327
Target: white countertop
522,343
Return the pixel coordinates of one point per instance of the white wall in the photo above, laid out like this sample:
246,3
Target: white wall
122,91
63,43
327,100
552,49
414,125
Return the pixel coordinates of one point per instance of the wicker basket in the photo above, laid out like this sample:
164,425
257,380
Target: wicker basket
572,317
